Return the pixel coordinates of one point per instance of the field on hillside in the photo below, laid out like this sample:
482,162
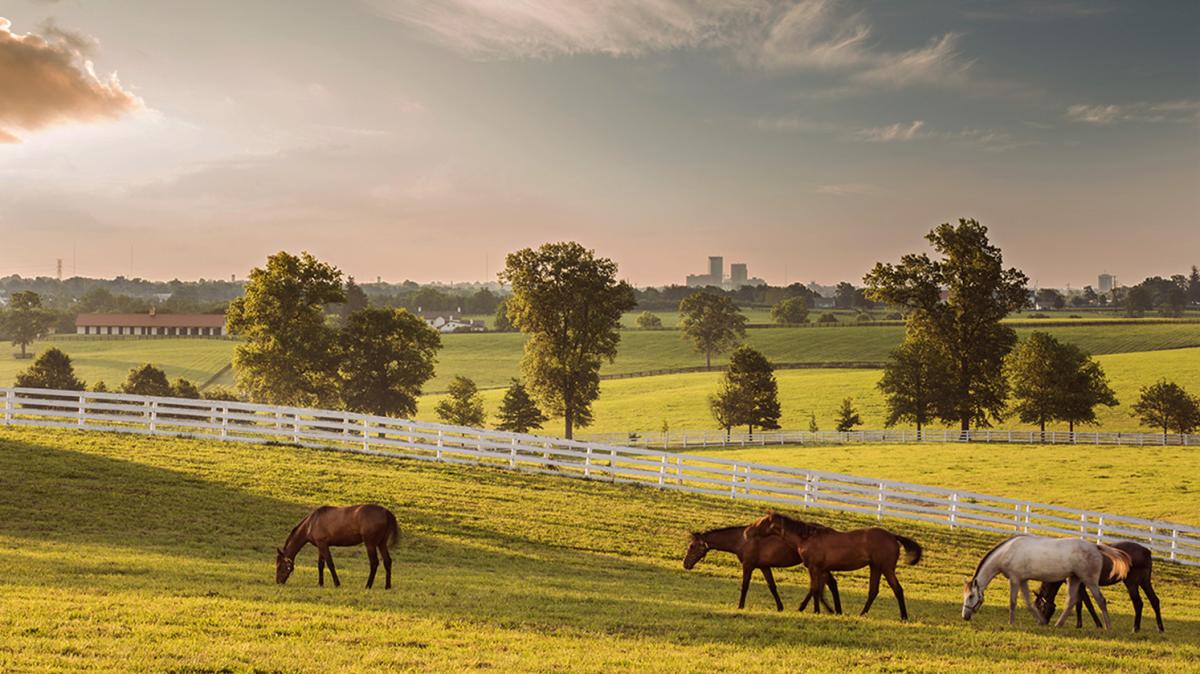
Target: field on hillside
1150,482
644,403
156,554
111,360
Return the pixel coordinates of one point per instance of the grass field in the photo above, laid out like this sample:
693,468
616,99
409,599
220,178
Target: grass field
156,554
644,403
111,360
1149,482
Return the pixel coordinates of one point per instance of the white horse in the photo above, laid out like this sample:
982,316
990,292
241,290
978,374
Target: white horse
1024,558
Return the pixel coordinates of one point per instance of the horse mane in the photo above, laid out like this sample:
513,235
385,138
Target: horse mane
801,527
719,530
991,552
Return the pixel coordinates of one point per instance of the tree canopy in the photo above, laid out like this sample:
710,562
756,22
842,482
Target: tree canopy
713,323
569,302
649,321
1168,406
847,417
462,406
748,394
917,382
147,380
1054,381
52,370
518,412
386,356
978,293
792,311
26,319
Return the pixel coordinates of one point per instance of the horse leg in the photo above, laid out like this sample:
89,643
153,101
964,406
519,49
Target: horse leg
1094,588
894,583
387,566
872,589
807,598
374,559
1149,590
329,562
1136,598
1012,600
816,587
747,572
1024,584
833,589
770,578
1074,587
320,568
1085,602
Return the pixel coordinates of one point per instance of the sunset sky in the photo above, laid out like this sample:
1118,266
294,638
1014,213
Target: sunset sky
425,139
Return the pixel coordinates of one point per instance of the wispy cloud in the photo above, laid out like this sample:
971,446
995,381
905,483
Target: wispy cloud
1167,111
992,140
892,133
47,80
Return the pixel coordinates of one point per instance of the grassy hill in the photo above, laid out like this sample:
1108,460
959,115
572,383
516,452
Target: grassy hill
112,359
155,554
643,403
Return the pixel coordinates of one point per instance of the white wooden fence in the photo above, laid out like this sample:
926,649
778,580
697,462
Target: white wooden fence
714,438
792,487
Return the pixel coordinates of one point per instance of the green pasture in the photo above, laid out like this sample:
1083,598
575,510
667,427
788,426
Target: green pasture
1149,482
155,554
681,400
111,360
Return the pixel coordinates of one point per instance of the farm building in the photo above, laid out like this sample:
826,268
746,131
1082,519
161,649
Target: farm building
152,323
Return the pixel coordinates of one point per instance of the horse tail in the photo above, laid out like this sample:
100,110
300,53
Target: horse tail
393,530
912,549
1121,561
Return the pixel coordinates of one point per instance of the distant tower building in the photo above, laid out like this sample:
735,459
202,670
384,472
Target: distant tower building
716,269
1107,283
60,269
738,274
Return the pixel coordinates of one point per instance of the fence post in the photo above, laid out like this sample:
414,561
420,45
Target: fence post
612,464
153,415
1100,529
879,508
8,407
954,510
512,453
1174,543
662,470
438,454
1027,508
733,482
1083,525
366,432
295,428
225,421
82,408
807,489
679,470
587,462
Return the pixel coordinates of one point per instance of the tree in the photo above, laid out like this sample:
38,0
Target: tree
812,423
570,303
1049,298
52,370
1168,406
725,406
792,311
147,380
1193,286
182,388
1138,300
749,393
1053,381
966,325
848,417
26,319
713,323
462,406
916,382
288,355
356,299
386,356
846,296
502,323
649,321
99,387
518,412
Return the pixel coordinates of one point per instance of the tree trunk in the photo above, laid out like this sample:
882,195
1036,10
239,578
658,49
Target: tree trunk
750,430
708,360
568,415
22,350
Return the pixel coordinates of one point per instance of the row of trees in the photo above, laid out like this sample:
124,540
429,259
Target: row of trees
53,370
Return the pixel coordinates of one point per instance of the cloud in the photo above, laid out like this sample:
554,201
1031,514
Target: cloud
1167,111
47,80
892,133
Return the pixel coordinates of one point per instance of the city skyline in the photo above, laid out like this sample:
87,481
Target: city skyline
402,139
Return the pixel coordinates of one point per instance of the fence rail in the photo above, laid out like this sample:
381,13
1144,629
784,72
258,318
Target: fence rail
709,438
385,436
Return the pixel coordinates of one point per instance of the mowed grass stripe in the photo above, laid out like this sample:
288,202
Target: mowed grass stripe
156,553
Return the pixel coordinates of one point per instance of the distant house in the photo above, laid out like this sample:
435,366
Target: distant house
152,323
447,324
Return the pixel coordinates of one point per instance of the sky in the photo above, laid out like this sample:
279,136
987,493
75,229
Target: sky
424,140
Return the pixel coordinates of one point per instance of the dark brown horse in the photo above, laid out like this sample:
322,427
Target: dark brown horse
763,554
370,524
1138,577
824,550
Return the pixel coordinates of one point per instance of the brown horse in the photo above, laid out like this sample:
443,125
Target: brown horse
370,524
824,550
754,553
1140,567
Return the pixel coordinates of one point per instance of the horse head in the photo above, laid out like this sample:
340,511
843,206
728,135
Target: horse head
767,525
1045,602
283,566
696,551
972,598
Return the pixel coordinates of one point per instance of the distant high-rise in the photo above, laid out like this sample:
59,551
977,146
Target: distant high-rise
1107,282
738,274
716,269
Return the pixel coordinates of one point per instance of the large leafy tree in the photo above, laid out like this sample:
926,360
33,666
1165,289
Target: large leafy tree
1168,406
916,382
749,394
147,380
978,293
462,406
288,355
387,355
1054,381
791,311
52,370
713,323
518,411
26,319
569,303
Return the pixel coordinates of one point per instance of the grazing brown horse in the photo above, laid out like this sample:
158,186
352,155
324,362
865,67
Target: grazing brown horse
824,550
370,524
754,553
1140,568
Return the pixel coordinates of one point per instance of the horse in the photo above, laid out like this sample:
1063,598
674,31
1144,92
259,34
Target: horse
369,524
1024,557
754,553
824,550
1140,568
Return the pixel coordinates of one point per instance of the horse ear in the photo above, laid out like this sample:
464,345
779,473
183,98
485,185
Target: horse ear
279,552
